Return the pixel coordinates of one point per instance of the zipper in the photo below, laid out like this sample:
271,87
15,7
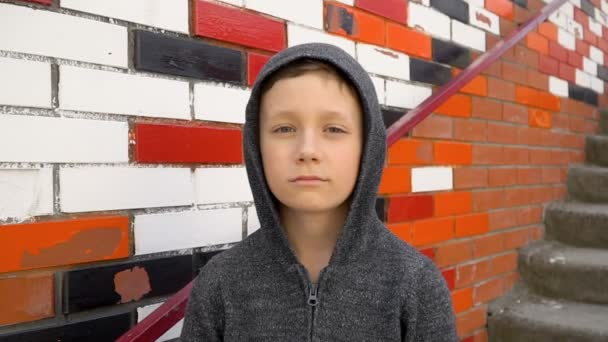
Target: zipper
313,301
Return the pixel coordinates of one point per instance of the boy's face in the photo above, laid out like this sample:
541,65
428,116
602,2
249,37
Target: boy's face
311,125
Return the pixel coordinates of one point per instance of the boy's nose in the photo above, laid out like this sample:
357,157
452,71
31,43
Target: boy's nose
308,147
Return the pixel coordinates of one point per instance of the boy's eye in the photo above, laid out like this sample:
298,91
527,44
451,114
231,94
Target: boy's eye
336,130
283,129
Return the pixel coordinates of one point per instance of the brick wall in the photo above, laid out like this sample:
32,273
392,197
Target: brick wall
121,168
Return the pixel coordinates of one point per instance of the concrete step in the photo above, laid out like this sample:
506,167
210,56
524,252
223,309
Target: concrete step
604,122
596,149
521,316
588,183
577,224
555,270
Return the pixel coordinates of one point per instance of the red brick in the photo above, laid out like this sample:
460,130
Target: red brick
488,291
43,2
575,60
566,72
470,321
393,9
488,245
514,72
502,219
487,155
470,130
582,48
450,278
26,298
516,238
581,17
255,62
484,200
502,176
469,177
503,8
558,52
411,152
234,25
434,230
434,126
188,144
525,56
589,37
486,108
548,65
55,243
462,299
504,263
538,80
453,253
502,133
501,89
407,208
515,113
470,225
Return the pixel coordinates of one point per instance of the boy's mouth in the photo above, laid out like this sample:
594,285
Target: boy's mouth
308,178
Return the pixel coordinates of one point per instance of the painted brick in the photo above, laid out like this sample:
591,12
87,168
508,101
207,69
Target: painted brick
596,55
575,28
237,26
117,93
478,3
408,208
452,153
96,287
430,21
381,208
114,188
457,105
428,72
590,66
582,94
49,139
63,36
26,192
468,36
395,180
559,19
595,27
410,152
173,333
583,79
484,19
253,223
255,62
57,243
380,87
431,179
566,39
558,86
383,62
539,118
222,185
403,231
449,53
503,8
355,24
452,203
300,35
393,9
213,102
26,298
188,230
538,43
455,9
187,57
389,116
567,72
238,3
405,95
413,43
558,52
305,12
202,258
548,65
170,15
103,329
588,8
575,60
435,230
470,225
602,72
25,83
597,85
184,144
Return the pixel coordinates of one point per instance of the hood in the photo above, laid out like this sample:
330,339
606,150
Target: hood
362,223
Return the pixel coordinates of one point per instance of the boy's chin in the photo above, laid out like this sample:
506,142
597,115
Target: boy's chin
311,206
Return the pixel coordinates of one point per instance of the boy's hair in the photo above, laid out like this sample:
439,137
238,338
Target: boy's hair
303,66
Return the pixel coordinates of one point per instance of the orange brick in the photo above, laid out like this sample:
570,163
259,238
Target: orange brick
549,101
462,299
26,298
503,8
467,323
452,203
472,225
412,42
395,180
453,253
539,118
527,96
488,245
548,30
57,243
489,290
538,43
411,152
457,105
432,231
477,86
452,153
363,26
402,230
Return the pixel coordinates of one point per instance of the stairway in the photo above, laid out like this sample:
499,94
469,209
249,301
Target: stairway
563,291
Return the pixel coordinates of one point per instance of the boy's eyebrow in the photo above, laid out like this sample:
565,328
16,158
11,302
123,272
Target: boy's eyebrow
326,113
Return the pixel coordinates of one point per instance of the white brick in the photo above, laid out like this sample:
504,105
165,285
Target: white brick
25,192
429,20
431,179
597,84
601,17
596,55
172,333
383,61
566,39
379,84
558,86
347,2
46,33
568,9
118,93
222,185
25,83
477,18
299,35
170,15
468,36
172,231
478,3
253,223
559,19
582,79
114,188
214,102
595,27
238,3
576,3
575,28
589,66
306,12
59,140
604,6
405,95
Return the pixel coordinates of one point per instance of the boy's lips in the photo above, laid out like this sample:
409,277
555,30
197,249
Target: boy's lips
308,178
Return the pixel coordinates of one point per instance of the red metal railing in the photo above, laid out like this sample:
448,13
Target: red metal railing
173,310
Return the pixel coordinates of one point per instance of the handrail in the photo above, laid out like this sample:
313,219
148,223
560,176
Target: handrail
168,314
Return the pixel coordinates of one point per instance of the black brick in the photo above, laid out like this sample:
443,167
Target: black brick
200,259
521,3
449,53
187,57
94,287
391,115
427,72
588,8
602,72
380,208
582,94
456,9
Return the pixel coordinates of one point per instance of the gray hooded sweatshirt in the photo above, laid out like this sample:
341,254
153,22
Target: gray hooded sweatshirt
375,288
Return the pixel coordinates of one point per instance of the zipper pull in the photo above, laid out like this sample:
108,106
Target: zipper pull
312,296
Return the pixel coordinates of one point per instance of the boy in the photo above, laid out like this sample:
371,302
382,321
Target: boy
322,267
